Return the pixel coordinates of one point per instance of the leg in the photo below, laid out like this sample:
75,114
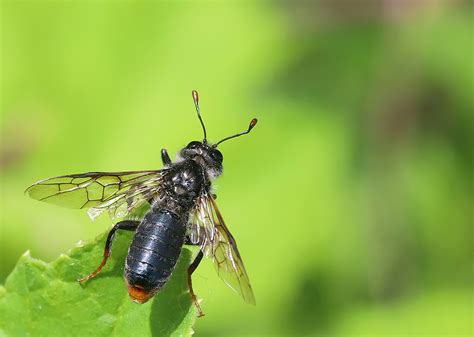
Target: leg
125,225
165,158
191,269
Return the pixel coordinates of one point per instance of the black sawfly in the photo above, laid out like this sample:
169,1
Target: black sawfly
182,211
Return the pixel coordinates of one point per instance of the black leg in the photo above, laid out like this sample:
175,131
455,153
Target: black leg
165,157
128,225
191,269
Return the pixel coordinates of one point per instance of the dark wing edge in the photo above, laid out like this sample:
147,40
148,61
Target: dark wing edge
208,230
119,193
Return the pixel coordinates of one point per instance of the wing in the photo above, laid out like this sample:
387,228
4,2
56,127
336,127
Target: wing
210,232
117,192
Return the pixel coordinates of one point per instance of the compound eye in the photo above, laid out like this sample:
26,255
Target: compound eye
193,145
217,155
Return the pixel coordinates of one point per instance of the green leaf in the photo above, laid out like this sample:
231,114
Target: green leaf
45,299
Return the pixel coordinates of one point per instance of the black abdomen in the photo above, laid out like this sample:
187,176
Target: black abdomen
153,253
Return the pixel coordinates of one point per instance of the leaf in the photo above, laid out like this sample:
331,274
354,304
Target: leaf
45,299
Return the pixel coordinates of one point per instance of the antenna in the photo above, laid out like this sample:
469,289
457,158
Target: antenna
253,122
196,104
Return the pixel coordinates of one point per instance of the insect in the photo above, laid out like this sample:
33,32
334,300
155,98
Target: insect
182,211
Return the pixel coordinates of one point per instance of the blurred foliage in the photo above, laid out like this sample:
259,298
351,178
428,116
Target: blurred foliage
351,200
42,299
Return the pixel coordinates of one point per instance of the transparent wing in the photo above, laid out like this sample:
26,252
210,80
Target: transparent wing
119,193
210,232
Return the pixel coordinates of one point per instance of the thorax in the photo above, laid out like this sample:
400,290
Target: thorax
182,183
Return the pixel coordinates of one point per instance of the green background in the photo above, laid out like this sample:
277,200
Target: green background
351,201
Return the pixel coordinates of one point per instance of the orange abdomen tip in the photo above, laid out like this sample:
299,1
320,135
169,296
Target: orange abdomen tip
138,294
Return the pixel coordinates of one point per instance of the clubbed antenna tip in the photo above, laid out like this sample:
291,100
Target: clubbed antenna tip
253,122
196,104
195,97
